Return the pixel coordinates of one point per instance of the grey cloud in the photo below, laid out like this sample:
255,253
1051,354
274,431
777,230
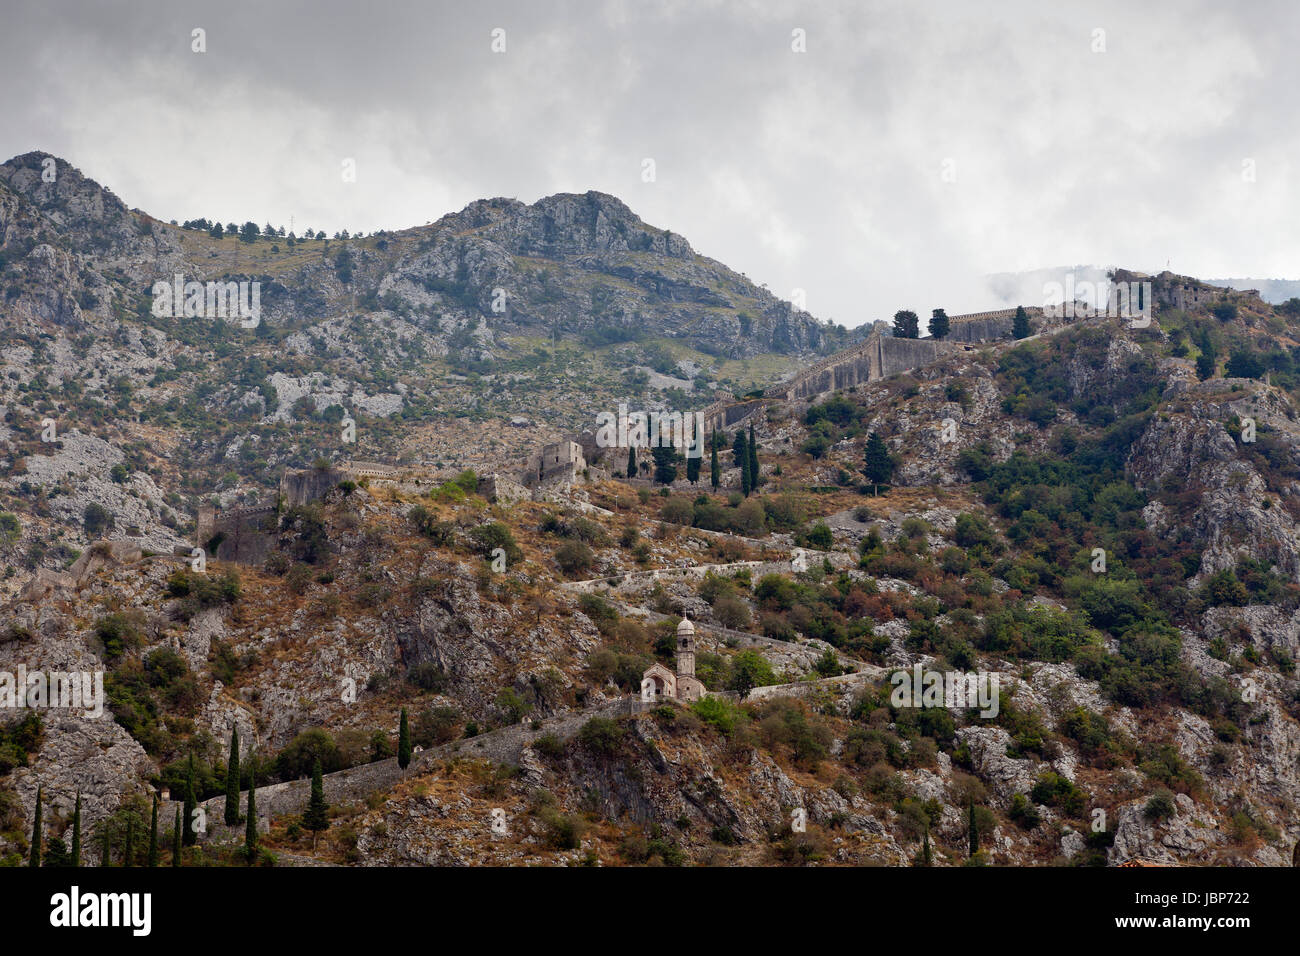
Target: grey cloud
819,171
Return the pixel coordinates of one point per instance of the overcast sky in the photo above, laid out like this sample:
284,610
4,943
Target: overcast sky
913,148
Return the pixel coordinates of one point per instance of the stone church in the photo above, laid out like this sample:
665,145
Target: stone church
659,682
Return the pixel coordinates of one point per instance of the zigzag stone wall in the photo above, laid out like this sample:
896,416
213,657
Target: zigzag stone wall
881,356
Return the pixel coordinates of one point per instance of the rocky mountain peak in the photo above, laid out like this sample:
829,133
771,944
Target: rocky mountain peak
60,190
566,224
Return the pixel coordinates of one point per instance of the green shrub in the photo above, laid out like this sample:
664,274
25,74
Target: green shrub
486,538
974,531
1054,790
601,736
1160,807
1024,813
295,761
574,558
119,632
719,713
436,725
550,746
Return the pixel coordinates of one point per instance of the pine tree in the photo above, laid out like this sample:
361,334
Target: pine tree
906,324
250,828
189,837
56,853
631,461
316,819
974,829
176,840
939,324
76,832
665,459
753,459
153,833
879,467
129,851
1020,324
232,781
715,471
403,742
35,858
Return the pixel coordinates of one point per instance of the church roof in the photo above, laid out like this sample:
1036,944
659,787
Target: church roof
686,627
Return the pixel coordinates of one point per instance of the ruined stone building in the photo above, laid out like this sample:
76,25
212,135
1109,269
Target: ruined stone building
1183,292
560,463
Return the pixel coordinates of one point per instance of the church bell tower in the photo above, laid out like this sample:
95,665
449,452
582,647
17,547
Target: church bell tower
686,648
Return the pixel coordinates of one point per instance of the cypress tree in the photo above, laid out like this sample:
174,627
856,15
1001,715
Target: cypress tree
742,459
35,858
176,840
189,838
715,471
403,742
317,817
129,851
153,833
974,831
692,469
76,832
232,781
753,459
879,467
925,848
250,830
738,451
631,461
1207,362
1020,324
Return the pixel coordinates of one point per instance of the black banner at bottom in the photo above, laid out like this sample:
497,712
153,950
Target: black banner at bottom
336,905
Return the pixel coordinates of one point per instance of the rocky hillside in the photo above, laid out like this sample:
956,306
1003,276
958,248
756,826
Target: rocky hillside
431,339
1100,518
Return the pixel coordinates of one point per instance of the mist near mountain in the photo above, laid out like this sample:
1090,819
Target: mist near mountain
1029,288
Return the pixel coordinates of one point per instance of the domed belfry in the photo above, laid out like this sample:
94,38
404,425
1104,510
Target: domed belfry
658,681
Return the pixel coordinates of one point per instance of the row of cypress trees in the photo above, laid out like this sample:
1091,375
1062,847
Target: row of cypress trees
315,818
183,833
746,455
57,857
749,468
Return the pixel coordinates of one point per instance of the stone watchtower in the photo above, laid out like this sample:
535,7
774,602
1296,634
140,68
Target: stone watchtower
685,648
